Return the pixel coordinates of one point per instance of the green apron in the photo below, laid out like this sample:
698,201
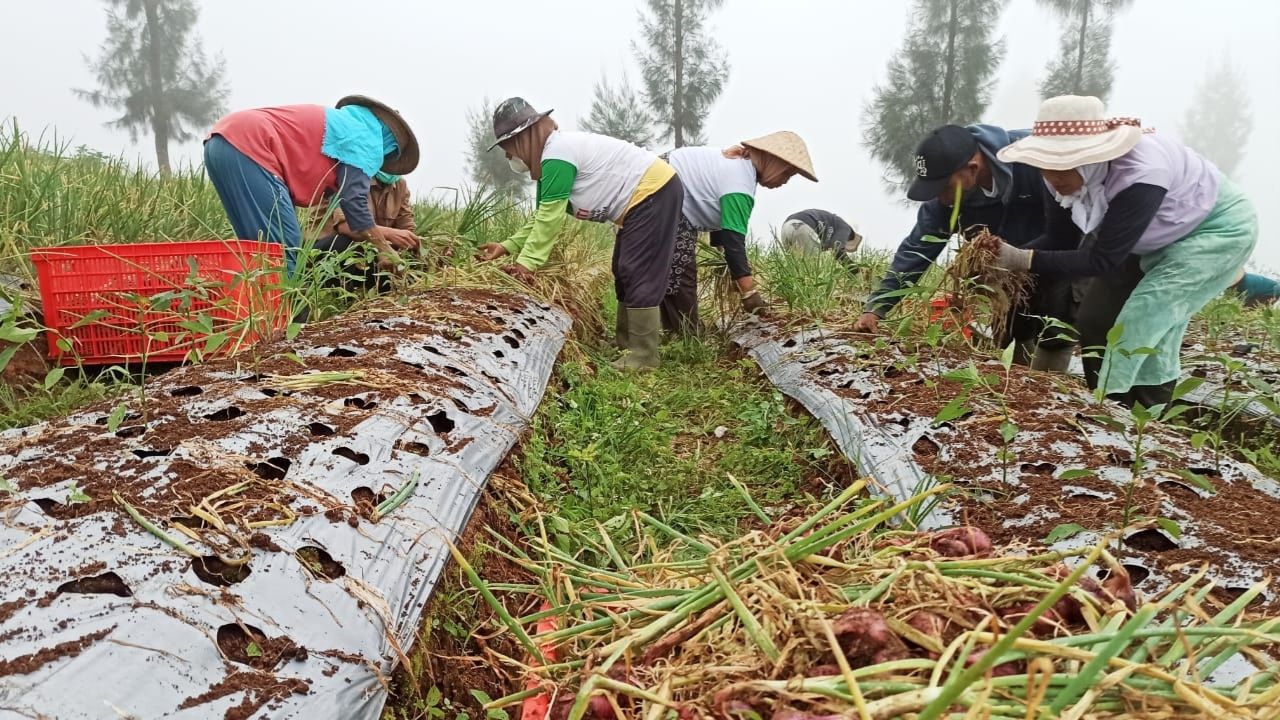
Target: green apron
1180,279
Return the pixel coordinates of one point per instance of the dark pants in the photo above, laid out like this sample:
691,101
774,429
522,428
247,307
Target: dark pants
1051,298
680,305
1104,296
644,245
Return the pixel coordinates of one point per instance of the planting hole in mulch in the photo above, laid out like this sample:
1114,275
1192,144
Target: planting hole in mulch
143,453
362,403
441,422
248,645
416,448
186,391
343,352
1040,468
231,412
455,371
320,562
514,343
358,458
319,429
432,349
1137,573
518,333
105,584
1150,540
366,502
61,511
272,469
191,521
129,416
214,571
132,431
499,354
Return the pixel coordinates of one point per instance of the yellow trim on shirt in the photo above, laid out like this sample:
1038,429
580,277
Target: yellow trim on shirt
658,174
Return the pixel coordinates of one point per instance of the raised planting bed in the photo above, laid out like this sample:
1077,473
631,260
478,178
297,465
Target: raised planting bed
1031,456
258,538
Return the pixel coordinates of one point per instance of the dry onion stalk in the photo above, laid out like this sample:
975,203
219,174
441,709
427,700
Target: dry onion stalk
973,281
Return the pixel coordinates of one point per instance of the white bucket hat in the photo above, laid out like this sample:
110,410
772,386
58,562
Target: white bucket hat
1070,132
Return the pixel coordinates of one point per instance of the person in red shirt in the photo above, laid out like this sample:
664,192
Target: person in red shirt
266,161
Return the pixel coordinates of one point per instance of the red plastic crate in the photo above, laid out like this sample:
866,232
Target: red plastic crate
131,301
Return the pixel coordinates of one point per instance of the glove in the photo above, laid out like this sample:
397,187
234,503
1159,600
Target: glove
1012,258
754,304
519,272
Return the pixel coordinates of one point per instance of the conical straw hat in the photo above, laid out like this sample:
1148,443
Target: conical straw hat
788,147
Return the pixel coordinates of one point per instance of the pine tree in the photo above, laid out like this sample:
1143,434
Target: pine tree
1219,121
683,70
618,112
490,169
153,69
942,75
1083,65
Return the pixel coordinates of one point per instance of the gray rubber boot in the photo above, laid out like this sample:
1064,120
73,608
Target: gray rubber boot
644,329
1057,360
620,334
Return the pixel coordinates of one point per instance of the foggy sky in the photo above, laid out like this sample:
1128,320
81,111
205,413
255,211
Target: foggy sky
803,65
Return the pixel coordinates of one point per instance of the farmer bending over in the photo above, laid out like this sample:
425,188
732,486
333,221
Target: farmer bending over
392,208
1157,227
1007,198
599,179
265,162
720,186
1255,290
810,232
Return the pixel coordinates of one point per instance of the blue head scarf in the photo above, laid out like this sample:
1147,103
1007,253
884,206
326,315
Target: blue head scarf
355,136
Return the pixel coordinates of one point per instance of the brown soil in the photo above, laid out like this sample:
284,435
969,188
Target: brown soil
1021,498
454,665
259,689
28,365
247,645
27,664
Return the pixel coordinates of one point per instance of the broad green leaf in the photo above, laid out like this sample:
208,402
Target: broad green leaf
1186,386
93,317
952,410
1062,532
1006,357
1115,334
292,331
64,344
1199,439
6,355
965,374
54,376
15,334
253,650
213,342
1008,431
1169,526
433,696
1076,474
7,487
116,417
1199,481
75,495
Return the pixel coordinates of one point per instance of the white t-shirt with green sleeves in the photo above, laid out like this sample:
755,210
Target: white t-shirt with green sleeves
719,192
601,176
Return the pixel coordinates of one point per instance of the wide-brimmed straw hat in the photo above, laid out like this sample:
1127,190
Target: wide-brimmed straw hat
404,160
512,117
788,147
1071,131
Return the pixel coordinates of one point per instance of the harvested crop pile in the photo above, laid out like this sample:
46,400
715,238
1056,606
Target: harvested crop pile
834,614
976,284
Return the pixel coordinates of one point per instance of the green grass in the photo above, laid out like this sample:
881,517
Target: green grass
605,444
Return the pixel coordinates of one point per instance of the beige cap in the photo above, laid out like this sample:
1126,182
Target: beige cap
788,147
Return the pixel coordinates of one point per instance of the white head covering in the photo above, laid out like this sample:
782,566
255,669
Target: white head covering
1089,204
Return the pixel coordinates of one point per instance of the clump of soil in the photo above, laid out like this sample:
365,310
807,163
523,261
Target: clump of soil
247,645
27,664
259,689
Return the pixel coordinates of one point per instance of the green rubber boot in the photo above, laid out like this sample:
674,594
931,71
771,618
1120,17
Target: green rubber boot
644,328
620,334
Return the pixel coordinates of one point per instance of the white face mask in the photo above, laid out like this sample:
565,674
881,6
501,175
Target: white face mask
518,166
